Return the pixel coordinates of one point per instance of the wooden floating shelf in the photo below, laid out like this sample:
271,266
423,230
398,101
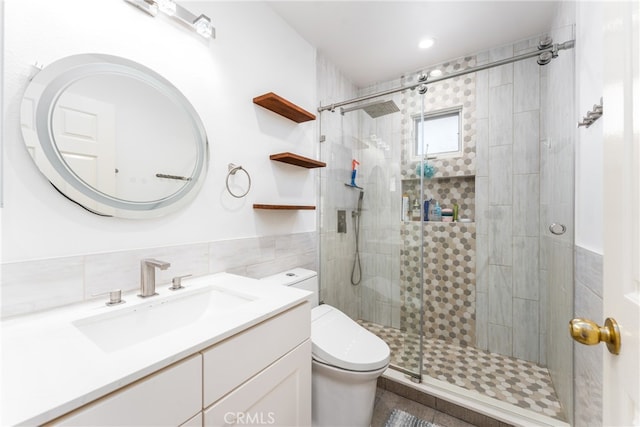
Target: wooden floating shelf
281,106
297,160
284,207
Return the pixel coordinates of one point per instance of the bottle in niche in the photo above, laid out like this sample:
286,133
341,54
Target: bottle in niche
426,210
415,212
405,207
437,212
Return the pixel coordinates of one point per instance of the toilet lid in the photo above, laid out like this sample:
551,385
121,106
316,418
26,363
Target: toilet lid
339,341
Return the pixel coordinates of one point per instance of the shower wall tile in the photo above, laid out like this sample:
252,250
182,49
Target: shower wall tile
589,270
525,329
526,85
482,94
543,349
544,300
526,137
508,197
526,205
588,379
503,74
447,192
482,147
453,93
500,295
482,321
482,204
500,175
500,339
526,271
342,139
500,235
501,115
482,263
449,284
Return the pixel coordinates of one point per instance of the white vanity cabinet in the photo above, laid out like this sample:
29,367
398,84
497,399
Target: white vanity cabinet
169,397
261,375
279,396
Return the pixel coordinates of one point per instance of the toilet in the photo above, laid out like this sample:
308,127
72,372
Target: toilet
347,359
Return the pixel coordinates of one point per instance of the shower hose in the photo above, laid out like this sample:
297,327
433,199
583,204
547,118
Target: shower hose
356,271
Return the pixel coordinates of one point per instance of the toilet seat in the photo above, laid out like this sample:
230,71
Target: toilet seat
340,342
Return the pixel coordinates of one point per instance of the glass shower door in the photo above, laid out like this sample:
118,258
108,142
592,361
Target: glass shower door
367,285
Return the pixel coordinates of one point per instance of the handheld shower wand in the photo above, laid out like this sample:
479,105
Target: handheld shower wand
356,278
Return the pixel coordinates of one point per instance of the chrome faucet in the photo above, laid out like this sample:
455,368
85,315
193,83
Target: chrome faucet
148,276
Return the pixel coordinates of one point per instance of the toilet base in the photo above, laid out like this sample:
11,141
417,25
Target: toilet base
341,397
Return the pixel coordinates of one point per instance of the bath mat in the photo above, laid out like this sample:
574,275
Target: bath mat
399,418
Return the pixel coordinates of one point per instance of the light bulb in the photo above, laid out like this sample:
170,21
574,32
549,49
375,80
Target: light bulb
167,6
203,26
426,43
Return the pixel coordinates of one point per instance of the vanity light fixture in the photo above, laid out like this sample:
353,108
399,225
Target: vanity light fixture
201,24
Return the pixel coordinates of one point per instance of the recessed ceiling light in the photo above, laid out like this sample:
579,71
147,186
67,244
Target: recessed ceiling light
435,73
426,43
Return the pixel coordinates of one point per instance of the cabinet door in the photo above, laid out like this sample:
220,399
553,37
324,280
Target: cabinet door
235,360
279,396
169,397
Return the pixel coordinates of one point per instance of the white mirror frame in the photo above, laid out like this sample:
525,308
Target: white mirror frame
50,83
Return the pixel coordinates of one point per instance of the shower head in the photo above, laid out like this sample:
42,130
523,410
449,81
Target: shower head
375,109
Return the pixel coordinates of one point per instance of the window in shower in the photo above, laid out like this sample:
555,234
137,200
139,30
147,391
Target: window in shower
441,131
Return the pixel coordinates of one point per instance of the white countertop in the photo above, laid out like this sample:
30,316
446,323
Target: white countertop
49,367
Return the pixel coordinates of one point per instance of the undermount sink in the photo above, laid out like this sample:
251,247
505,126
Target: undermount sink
123,326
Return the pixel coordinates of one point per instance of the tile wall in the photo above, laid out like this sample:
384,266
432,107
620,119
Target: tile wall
557,193
588,360
449,280
31,286
509,297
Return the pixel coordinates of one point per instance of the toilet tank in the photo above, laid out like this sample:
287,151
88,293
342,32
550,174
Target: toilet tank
298,278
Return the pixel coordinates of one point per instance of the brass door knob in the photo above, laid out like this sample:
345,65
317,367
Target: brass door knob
588,332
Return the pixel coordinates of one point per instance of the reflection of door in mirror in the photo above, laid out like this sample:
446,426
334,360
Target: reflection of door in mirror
84,135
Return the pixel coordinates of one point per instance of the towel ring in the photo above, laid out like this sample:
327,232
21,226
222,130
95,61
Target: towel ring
232,171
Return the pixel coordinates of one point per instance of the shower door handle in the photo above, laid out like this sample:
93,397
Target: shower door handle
588,332
557,229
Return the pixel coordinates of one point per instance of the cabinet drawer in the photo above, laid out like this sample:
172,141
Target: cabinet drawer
169,397
280,395
235,360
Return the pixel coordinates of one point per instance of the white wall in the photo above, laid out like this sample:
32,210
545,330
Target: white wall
254,52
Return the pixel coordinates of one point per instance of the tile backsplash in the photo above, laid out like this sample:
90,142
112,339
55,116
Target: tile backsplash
30,286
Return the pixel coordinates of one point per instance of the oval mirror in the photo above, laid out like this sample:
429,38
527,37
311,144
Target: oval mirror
114,136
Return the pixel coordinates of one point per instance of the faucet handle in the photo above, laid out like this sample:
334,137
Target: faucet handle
115,297
176,282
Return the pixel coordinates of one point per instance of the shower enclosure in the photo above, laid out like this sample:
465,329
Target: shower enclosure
474,300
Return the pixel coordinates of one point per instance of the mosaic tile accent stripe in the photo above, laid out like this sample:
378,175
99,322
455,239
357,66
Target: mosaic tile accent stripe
455,92
449,288
447,192
515,381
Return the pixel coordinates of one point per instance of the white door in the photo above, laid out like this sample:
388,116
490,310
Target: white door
621,100
84,131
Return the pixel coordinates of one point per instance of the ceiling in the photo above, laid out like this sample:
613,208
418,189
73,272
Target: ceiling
374,41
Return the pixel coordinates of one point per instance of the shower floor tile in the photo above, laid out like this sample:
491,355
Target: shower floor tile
521,383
